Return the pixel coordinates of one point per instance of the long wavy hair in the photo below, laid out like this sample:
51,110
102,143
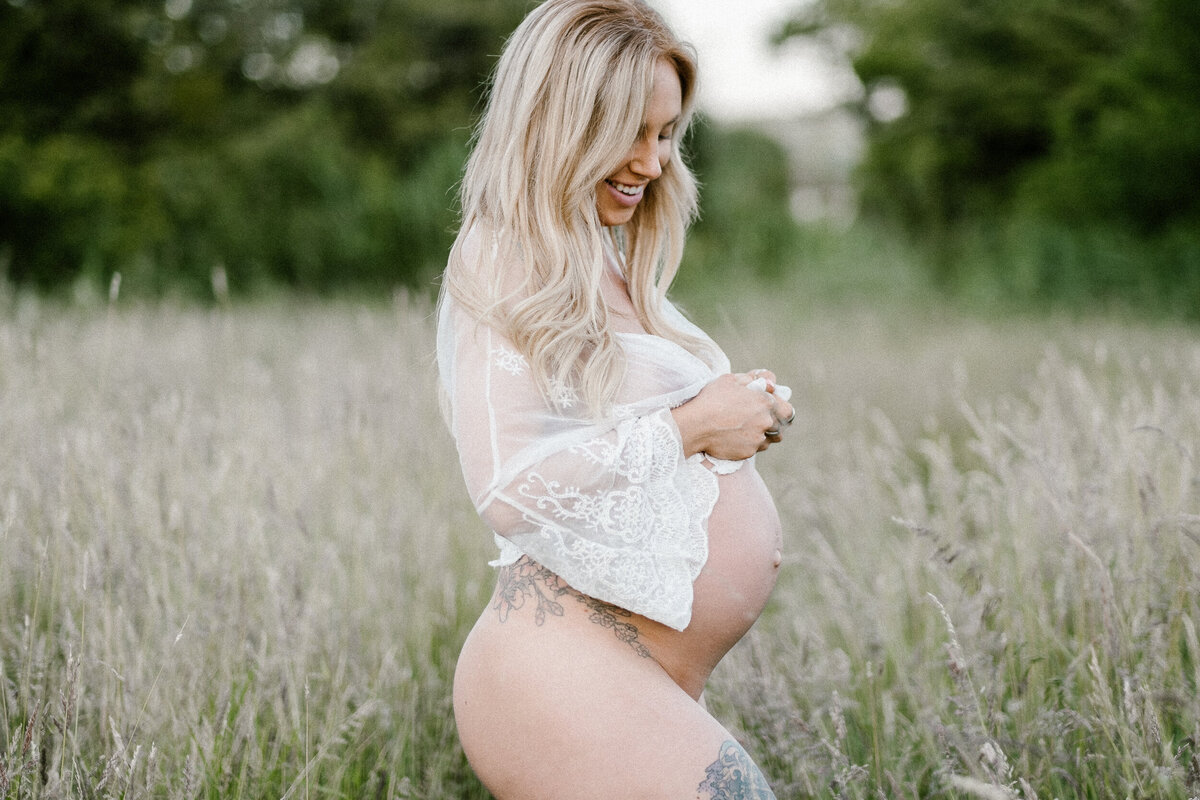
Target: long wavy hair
566,102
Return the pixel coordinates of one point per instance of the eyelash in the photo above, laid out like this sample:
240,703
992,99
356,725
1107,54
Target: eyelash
663,136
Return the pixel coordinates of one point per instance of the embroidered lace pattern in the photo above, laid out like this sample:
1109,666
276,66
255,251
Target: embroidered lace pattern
509,360
644,542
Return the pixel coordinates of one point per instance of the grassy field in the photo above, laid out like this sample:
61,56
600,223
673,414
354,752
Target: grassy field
236,558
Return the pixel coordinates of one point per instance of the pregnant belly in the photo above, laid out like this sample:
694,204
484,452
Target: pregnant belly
744,542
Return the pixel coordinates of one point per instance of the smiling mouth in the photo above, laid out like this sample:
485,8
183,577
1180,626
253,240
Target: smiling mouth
628,191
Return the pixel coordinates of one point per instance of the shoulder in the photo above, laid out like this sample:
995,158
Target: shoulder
486,268
678,320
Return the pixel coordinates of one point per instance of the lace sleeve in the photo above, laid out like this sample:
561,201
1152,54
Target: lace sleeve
611,506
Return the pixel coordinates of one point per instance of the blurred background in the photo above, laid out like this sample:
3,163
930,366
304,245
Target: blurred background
1016,153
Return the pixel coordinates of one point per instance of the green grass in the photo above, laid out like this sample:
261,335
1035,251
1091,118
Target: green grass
237,560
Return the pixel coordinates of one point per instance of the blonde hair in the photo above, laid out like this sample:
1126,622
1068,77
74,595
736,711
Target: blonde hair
567,100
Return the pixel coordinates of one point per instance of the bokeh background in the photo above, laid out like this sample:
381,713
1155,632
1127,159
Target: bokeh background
237,559
1038,153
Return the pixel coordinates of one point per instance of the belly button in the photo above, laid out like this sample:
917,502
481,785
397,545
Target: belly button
777,559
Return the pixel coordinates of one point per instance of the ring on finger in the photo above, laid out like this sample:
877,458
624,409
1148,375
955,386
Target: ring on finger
783,423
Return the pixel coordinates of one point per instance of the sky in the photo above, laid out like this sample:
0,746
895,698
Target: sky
742,76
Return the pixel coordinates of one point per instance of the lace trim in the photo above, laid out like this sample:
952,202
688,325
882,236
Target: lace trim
640,546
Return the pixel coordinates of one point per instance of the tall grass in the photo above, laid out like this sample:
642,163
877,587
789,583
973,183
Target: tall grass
995,579
236,559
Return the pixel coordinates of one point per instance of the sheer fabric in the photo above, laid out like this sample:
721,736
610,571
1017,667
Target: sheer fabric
610,505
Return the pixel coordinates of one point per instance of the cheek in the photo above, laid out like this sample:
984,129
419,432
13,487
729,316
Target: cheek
665,149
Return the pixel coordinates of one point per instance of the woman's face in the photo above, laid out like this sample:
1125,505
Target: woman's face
618,195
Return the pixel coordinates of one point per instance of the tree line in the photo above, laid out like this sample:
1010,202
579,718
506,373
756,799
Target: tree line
1031,149
1052,144
313,144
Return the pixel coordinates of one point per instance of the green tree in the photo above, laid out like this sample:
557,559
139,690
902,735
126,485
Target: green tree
1054,141
1127,139
311,143
70,66
745,219
981,80
303,141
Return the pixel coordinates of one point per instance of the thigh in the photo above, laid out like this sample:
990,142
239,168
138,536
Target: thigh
561,714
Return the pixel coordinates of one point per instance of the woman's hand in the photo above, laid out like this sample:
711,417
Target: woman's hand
730,419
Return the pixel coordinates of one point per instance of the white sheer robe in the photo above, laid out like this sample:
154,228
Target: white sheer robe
611,505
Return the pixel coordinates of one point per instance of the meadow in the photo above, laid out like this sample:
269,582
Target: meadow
237,560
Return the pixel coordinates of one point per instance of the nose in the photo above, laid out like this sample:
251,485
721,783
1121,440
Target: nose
644,159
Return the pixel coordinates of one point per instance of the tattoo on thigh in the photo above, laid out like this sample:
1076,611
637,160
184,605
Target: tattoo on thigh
734,776
528,580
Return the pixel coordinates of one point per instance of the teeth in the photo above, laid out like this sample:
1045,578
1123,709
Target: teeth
627,190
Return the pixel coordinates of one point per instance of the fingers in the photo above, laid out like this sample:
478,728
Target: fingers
785,413
765,380
736,422
770,436
764,419
763,373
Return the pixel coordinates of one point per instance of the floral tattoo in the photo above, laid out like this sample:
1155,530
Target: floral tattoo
734,776
528,581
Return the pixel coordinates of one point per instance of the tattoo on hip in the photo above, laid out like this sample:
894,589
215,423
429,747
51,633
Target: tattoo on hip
528,581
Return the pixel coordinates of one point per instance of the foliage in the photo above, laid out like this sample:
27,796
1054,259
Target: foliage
1076,115
71,67
306,143
310,143
294,203
745,216
67,204
1029,262
1127,139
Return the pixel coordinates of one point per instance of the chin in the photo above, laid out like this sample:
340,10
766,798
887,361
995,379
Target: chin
611,219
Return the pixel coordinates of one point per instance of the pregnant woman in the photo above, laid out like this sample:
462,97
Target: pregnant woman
602,435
